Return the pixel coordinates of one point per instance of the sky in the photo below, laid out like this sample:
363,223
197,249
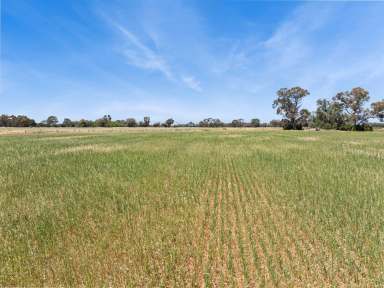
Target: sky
188,60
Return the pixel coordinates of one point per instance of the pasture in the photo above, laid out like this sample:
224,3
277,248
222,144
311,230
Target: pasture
192,208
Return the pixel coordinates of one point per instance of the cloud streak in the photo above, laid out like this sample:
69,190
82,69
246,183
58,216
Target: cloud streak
192,83
139,55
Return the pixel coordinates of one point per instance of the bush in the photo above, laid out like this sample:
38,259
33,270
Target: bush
292,126
131,122
327,126
363,127
345,127
350,127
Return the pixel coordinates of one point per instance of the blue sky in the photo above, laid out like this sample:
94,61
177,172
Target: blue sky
183,59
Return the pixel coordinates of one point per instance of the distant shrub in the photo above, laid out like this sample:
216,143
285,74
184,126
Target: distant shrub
345,127
131,122
362,127
351,127
287,125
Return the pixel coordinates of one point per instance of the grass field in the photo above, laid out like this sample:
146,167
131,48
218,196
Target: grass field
195,207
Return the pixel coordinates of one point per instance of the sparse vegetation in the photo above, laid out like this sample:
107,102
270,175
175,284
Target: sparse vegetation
192,207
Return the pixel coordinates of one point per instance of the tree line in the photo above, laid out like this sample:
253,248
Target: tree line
106,121
345,111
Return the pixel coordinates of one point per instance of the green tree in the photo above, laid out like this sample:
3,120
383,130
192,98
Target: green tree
146,121
67,123
352,104
378,110
84,123
169,122
4,120
304,117
131,122
211,122
52,121
329,115
118,123
24,121
237,123
105,121
288,104
16,121
255,122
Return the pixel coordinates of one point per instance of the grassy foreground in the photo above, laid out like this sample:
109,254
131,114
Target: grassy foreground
192,208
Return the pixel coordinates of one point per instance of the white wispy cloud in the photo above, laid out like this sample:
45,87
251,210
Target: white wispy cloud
303,51
138,54
294,41
192,83
142,56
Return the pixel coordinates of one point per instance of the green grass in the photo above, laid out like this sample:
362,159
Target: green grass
213,207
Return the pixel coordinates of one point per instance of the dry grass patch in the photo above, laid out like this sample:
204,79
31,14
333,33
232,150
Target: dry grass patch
309,138
97,148
71,137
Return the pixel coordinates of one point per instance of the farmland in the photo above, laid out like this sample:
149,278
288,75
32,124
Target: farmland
192,207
